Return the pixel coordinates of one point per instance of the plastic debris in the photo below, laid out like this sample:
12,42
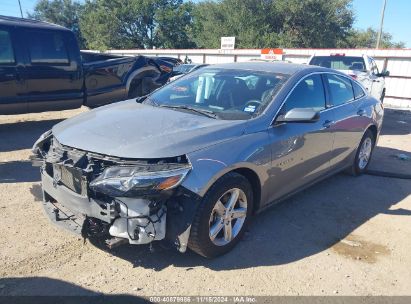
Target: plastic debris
402,156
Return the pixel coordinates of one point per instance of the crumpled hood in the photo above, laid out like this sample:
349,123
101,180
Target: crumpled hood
131,130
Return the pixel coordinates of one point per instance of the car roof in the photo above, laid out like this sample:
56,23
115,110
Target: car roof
23,22
273,67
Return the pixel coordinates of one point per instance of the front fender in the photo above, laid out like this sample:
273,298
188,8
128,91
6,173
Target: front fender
251,151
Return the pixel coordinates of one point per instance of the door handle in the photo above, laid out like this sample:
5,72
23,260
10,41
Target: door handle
361,112
375,80
328,123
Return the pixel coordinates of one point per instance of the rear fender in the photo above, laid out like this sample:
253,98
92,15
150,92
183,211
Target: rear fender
151,75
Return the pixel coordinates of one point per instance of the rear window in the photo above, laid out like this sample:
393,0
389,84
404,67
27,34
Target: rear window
358,91
6,48
47,47
340,89
339,62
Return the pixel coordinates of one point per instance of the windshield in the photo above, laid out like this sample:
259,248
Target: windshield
339,62
228,93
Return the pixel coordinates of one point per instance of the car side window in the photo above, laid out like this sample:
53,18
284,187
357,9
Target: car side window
340,88
47,47
309,93
358,91
6,48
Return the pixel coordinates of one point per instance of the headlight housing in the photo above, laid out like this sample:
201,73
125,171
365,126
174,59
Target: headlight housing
134,180
39,141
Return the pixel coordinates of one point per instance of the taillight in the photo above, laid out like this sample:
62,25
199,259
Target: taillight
166,69
353,76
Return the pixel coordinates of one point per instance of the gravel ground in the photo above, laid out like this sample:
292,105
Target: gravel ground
344,236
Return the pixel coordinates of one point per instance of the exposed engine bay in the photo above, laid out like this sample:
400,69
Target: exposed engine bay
115,200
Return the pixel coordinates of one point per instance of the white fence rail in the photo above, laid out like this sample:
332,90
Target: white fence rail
397,61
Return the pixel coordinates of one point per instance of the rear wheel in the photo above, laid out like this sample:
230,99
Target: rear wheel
221,219
135,89
363,155
382,96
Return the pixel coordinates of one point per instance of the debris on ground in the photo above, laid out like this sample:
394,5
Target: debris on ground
402,156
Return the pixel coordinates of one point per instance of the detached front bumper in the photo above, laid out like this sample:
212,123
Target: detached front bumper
58,213
126,218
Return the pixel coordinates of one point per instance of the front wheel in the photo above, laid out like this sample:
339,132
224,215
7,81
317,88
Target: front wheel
363,155
221,218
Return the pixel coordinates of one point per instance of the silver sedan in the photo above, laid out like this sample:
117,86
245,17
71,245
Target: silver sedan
193,161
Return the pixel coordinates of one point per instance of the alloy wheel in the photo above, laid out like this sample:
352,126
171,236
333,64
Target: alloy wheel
365,153
228,217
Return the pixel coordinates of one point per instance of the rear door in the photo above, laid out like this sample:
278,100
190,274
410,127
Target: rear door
12,85
301,152
54,78
345,99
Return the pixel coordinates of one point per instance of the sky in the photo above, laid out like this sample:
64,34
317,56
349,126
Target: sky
397,19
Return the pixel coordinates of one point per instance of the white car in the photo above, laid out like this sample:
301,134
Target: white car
362,68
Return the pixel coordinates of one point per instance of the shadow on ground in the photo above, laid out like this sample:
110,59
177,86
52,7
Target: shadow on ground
396,122
19,136
22,135
387,160
33,288
18,172
304,225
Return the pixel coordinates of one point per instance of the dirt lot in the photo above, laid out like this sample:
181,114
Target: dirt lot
345,236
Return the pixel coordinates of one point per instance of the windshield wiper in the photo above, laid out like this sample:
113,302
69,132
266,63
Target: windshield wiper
204,112
140,99
149,100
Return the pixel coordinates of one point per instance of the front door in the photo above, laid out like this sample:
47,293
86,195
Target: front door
301,151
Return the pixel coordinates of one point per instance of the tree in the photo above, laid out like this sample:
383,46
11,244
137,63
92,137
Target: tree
247,20
121,24
272,23
314,23
174,25
62,12
136,24
368,39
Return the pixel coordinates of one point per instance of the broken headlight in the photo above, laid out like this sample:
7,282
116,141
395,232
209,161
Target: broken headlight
40,149
43,137
130,180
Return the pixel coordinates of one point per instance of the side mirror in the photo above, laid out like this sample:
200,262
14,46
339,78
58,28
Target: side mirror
384,74
299,115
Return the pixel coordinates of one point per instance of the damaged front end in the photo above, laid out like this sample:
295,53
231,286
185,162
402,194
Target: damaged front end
112,199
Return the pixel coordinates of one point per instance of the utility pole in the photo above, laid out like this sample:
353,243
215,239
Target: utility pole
381,23
21,11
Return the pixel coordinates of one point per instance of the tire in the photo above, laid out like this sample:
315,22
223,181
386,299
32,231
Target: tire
135,89
382,96
209,214
360,166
